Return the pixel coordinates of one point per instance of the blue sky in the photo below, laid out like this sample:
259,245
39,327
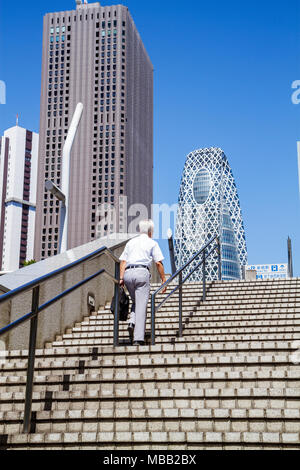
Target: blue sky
223,76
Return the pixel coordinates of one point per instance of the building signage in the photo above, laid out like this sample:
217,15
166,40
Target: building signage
270,271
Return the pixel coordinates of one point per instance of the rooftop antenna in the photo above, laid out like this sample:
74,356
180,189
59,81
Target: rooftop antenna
171,250
290,258
17,120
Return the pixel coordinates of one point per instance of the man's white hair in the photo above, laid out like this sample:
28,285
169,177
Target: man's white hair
146,226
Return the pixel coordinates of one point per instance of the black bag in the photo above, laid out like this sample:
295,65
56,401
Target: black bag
123,304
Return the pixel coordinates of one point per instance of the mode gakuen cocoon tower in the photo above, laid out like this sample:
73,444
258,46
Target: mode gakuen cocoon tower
209,205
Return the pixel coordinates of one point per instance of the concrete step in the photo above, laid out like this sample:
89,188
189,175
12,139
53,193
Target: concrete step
199,312
123,405
249,295
201,317
189,348
246,355
89,383
191,323
169,316
133,375
164,341
181,380
222,283
94,337
276,378
157,420
173,440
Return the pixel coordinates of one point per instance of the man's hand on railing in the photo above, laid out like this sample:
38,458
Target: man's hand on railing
161,271
164,290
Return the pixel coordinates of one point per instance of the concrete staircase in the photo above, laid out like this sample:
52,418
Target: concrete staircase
228,383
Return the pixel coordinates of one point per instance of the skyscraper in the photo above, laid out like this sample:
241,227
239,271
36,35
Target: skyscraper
93,55
209,205
18,176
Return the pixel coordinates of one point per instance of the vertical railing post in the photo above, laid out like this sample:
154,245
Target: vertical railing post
204,275
31,360
153,319
180,303
219,260
117,305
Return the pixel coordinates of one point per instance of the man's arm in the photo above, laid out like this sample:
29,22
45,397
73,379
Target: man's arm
122,271
161,272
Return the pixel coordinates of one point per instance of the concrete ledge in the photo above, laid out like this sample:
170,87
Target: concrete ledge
71,309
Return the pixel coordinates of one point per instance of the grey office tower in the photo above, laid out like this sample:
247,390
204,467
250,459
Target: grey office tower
93,55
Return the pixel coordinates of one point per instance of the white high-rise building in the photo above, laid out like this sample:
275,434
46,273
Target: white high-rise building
18,180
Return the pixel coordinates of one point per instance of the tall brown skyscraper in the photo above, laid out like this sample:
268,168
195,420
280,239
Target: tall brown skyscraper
93,55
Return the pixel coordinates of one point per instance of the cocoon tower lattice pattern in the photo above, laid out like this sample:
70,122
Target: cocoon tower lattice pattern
209,205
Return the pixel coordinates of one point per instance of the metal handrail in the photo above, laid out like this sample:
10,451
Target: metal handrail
36,309
181,281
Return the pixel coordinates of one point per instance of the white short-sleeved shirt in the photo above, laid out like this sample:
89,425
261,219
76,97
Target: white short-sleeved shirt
142,250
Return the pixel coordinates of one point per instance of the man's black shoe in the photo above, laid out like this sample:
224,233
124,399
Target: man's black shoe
138,343
130,331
